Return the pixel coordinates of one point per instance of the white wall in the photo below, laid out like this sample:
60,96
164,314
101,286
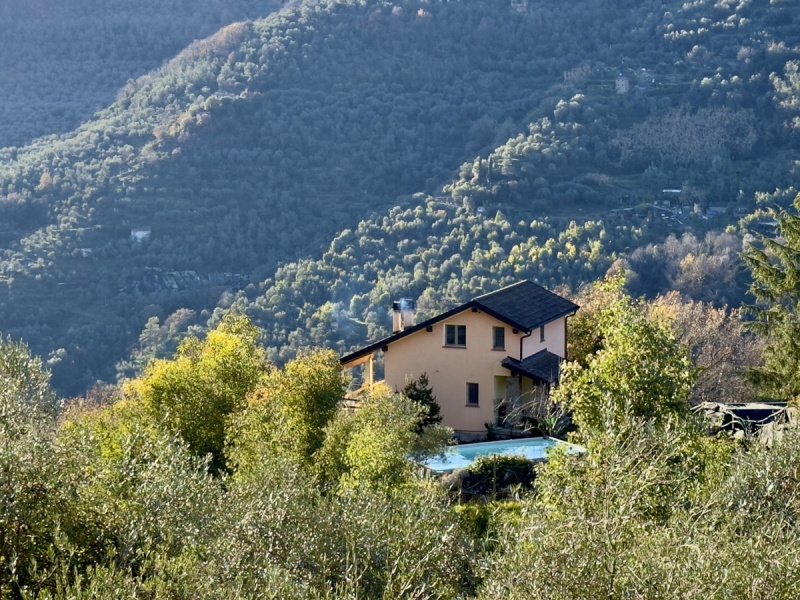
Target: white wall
555,340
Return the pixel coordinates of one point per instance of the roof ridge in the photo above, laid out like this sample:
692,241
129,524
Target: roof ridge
502,289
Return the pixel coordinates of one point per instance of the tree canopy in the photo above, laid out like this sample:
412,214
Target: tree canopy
775,267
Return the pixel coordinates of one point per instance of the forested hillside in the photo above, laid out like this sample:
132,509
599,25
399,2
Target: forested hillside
62,61
260,144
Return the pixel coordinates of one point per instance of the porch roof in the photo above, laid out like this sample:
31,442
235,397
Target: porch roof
542,366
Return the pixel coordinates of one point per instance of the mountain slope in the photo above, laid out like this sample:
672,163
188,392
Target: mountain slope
61,61
257,145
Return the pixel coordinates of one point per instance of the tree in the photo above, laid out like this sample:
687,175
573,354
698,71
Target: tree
208,380
589,532
370,447
30,496
775,267
720,347
788,90
585,337
640,372
419,391
288,413
25,391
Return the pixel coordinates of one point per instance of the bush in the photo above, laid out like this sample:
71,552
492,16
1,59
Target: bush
492,477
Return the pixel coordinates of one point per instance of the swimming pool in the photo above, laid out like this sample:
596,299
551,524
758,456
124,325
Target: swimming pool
463,455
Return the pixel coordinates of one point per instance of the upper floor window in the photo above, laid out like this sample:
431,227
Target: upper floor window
541,333
498,338
455,335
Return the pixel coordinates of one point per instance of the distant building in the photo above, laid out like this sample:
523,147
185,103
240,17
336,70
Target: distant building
622,84
140,234
521,6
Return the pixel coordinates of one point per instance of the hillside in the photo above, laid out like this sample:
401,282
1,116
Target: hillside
447,249
503,219
63,61
257,145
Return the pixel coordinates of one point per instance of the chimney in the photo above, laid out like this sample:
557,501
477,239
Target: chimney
402,314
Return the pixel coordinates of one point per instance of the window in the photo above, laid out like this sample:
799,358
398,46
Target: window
455,335
498,338
541,333
472,394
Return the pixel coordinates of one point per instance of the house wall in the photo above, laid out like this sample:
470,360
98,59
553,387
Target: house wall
555,340
449,368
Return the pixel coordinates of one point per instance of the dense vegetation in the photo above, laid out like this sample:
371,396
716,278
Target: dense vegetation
62,62
262,143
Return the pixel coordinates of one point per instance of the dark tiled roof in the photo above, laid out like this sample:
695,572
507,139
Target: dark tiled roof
407,331
543,365
525,305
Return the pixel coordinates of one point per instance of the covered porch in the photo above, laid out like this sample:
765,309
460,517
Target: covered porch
522,397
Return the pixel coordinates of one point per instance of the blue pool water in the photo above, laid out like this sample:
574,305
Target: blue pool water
463,455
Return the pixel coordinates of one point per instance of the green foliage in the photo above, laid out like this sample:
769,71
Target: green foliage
492,478
585,337
142,494
108,504
395,543
30,494
640,372
63,62
25,393
486,520
383,436
370,447
589,532
208,380
788,89
419,391
775,267
31,503
287,415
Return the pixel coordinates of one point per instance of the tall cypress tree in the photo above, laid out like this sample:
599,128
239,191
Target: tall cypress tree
775,267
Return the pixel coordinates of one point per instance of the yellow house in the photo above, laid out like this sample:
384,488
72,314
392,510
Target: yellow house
480,357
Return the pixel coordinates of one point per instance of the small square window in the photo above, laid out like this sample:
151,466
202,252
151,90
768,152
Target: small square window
455,335
472,394
498,338
541,333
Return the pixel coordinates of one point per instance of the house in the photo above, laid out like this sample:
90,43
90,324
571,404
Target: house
519,6
140,234
480,357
